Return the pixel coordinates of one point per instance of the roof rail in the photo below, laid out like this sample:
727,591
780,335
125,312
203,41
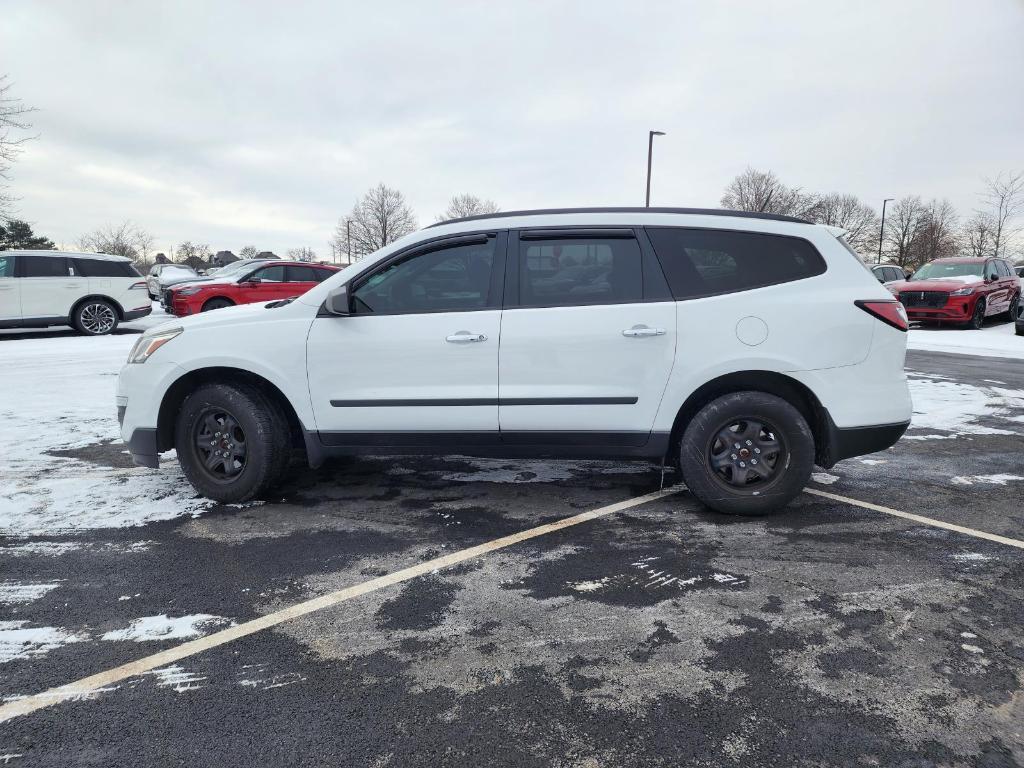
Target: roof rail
614,209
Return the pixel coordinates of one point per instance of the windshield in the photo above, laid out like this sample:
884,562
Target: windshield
937,270
178,270
235,266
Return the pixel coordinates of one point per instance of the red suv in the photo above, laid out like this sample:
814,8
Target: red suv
961,290
266,282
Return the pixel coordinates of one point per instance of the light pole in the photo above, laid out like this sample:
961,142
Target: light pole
650,150
881,229
348,239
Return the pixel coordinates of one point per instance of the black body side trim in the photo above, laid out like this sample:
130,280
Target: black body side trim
695,211
143,448
842,444
578,233
578,445
35,322
455,402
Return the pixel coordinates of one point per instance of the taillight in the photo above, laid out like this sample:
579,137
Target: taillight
889,312
137,286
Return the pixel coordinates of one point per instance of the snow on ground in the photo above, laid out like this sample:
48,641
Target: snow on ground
20,592
59,394
994,341
20,642
955,408
164,627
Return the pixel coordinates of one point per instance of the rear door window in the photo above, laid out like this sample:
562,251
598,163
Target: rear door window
708,262
298,274
573,271
43,266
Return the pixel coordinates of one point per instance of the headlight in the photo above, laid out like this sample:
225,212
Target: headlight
149,343
187,291
965,291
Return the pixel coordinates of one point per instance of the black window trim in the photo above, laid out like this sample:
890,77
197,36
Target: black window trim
589,232
496,291
813,247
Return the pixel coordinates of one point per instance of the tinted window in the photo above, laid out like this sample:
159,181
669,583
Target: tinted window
705,262
43,266
322,274
894,274
1004,269
453,279
104,268
298,274
273,274
565,272
6,266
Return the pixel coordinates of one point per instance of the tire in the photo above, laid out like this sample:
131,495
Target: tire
95,317
250,423
218,303
1018,329
977,320
718,480
1011,311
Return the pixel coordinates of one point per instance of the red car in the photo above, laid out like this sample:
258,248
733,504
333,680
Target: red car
266,282
961,290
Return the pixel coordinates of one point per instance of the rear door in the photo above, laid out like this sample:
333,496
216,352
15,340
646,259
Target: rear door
10,290
588,338
49,287
300,278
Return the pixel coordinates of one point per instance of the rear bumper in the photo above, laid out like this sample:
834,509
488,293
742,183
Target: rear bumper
844,443
135,314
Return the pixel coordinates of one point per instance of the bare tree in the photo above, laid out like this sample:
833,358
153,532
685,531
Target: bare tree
124,239
195,255
847,211
763,192
903,228
248,252
937,237
1005,198
301,254
380,217
461,206
13,118
978,235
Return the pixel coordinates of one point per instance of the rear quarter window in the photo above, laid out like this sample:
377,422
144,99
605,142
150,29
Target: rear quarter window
709,262
104,268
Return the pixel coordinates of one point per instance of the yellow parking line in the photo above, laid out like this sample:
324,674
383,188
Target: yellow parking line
920,519
94,683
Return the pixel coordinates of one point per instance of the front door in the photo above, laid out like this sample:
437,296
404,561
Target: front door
588,339
10,290
265,284
416,363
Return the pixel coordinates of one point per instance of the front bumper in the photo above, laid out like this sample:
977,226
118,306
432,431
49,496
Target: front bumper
957,309
140,390
143,447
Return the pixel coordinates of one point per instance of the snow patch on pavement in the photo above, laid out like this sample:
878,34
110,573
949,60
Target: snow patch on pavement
1000,479
824,478
995,341
163,627
18,592
956,408
177,678
20,642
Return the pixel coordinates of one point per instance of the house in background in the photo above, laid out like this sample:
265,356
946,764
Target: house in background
222,259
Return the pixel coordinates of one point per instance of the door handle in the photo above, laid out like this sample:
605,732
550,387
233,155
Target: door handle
464,337
643,330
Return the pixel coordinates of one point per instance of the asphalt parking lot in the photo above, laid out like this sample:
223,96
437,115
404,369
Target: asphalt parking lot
655,634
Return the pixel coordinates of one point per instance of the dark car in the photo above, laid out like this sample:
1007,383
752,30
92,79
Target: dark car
961,290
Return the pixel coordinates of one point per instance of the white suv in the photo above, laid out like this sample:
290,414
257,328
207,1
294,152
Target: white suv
743,347
91,291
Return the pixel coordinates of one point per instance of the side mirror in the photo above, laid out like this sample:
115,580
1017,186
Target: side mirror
338,302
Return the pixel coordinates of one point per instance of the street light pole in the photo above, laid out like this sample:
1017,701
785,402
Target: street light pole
348,239
881,229
650,151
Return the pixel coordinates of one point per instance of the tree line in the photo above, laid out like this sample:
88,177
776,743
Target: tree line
915,231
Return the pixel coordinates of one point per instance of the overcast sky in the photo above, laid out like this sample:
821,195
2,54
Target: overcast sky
261,123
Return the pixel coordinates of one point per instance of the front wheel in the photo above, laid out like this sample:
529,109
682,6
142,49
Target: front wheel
747,453
95,317
978,318
232,442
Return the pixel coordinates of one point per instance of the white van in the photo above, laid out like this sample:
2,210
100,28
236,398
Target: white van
92,292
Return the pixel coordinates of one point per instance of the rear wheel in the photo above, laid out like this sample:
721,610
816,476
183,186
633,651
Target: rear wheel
747,453
1011,311
95,317
232,442
978,318
217,304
